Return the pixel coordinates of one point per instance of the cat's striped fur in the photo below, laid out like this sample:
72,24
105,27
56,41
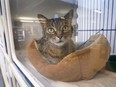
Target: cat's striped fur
56,42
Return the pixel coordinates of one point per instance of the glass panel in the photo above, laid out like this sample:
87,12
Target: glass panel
93,16
27,26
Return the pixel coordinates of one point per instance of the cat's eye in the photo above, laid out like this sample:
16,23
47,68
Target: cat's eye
50,30
65,28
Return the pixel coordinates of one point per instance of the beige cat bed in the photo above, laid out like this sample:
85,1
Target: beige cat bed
81,64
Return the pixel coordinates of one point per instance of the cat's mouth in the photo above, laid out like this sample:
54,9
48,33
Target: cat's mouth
60,41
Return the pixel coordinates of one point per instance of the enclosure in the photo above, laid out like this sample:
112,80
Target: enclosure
20,26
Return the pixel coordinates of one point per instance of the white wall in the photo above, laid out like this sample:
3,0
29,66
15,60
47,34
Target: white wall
95,15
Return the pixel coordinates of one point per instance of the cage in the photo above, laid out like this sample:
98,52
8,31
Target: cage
90,17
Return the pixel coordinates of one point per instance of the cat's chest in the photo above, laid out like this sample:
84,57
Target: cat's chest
56,52
53,51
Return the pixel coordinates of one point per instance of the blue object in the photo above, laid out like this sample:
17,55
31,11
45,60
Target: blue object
87,40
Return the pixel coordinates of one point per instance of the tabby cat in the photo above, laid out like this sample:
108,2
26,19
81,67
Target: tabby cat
56,42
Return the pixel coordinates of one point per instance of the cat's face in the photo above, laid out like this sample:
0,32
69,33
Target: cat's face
59,30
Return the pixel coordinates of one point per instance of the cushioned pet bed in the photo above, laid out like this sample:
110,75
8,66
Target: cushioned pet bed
81,64
102,79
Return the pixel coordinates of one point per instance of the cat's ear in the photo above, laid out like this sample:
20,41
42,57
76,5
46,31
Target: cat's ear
43,21
69,15
41,17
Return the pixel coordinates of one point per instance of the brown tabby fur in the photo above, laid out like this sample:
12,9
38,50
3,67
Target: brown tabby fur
56,42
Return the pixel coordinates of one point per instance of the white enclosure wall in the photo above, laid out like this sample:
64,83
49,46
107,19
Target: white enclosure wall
94,15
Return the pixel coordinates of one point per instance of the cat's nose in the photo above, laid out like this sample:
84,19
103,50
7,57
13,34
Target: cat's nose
59,34
60,37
